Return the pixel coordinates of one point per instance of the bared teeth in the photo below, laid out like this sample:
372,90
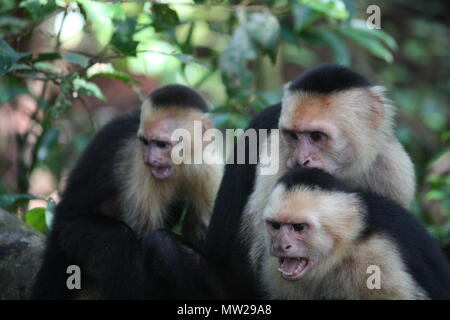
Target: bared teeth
300,267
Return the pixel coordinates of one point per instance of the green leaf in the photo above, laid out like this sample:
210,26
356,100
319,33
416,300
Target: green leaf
351,7
61,104
123,36
303,16
5,48
46,143
39,9
221,119
8,57
125,78
99,16
445,136
264,32
435,195
46,56
50,213
10,87
46,66
239,50
370,43
7,5
89,88
384,37
233,64
433,178
341,53
186,46
80,141
67,83
19,66
13,24
118,12
36,218
164,18
11,201
76,58
331,8
183,58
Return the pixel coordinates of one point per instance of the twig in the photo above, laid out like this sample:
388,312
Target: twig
58,36
89,113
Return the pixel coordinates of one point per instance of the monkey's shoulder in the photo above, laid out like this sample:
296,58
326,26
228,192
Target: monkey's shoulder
267,118
120,127
419,251
91,179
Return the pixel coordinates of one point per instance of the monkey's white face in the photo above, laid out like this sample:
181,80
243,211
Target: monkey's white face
306,228
287,245
316,148
327,131
157,148
298,247
156,133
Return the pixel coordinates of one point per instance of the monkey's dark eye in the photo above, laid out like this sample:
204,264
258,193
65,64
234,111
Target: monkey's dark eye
290,134
299,226
275,225
161,144
316,136
144,141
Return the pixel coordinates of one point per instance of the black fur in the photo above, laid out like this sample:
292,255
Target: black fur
179,270
223,245
419,251
87,229
83,233
90,182
311,177
328,78
179,96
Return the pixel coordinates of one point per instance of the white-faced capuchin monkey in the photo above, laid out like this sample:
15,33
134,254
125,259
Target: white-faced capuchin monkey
124,186
334,119
330,118
323,241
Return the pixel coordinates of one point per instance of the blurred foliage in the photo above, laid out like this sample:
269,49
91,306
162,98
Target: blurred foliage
419,84
236,52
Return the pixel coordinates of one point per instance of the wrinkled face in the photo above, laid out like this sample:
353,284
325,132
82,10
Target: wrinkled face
313,130
289,245
299,246
155,133
156,145
304,229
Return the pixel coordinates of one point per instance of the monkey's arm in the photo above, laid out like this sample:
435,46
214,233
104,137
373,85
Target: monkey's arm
50,283
175,270
194,226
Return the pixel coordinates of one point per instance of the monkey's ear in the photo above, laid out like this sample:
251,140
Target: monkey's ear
147,104
286,87
377,106
207,123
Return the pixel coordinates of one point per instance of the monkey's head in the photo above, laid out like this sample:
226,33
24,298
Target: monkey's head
333,118
311,222
165,110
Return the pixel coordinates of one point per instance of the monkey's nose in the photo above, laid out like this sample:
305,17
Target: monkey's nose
287,247
305,163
